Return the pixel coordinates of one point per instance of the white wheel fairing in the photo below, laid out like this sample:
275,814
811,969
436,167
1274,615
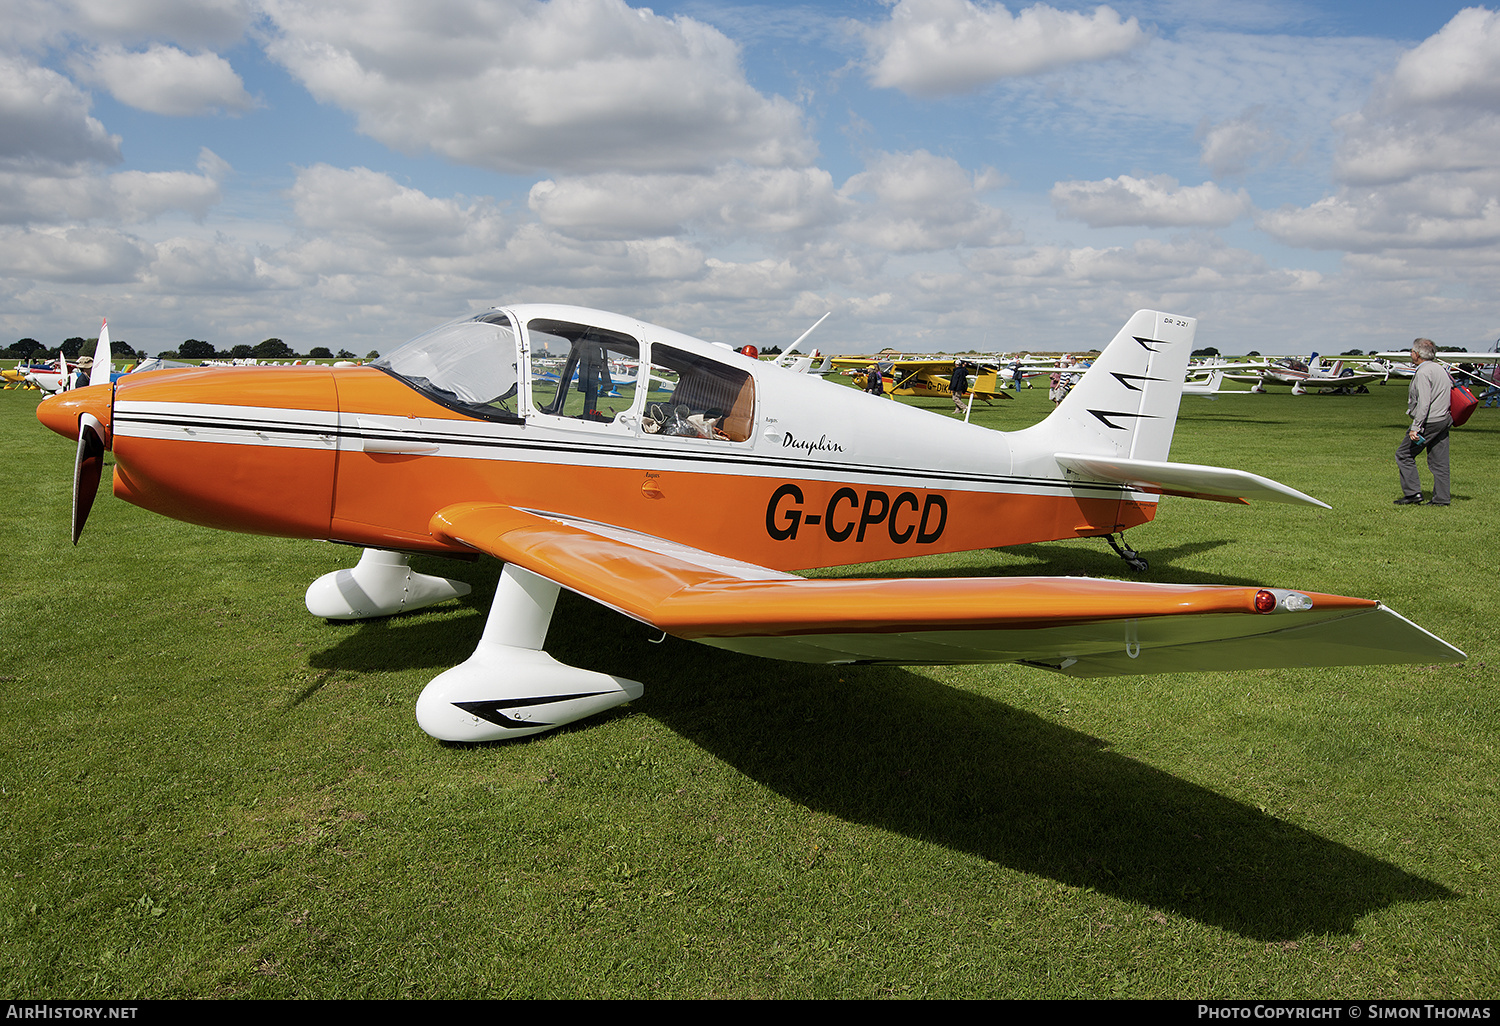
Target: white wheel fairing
509,687
382,584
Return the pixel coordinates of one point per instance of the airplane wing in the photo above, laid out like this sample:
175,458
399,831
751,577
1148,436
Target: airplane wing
1443,357
1079,626
1347,381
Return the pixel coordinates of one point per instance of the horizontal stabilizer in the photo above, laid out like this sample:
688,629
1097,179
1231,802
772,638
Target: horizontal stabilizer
1190,479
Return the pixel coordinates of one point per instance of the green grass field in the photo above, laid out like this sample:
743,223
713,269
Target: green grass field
208,793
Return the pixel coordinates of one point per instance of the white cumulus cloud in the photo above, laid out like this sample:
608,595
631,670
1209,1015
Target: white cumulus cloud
517,85
360,202
127,197
1458,65
1418,163
917,202
146,195
936,47
1156,202
188,265
80,255
45,122
1378,220
166,80
732,199
1240,144
194,23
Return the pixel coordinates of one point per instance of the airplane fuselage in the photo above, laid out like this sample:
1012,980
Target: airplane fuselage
829,477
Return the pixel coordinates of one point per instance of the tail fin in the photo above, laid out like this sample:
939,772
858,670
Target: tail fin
1126,404
1117,424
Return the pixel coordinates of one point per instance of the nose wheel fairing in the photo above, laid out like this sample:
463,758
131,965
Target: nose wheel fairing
381,584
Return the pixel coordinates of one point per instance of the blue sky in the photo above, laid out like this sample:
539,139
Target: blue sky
941,174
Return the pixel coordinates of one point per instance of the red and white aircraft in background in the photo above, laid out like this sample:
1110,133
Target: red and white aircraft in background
1302,376
687,500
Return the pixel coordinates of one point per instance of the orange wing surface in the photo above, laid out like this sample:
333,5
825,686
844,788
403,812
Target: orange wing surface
1080,626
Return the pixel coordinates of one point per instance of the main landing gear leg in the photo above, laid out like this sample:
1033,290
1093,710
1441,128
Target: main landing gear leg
1132,558
509,687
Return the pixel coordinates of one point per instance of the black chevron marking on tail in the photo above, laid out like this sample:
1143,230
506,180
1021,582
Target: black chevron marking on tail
1104,416
1122,379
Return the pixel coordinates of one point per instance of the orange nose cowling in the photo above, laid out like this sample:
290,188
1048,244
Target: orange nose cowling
251,449
60,412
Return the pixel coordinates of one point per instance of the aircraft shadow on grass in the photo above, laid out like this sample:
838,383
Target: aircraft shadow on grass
895,750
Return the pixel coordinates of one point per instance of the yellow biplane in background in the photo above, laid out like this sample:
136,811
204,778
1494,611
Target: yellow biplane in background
930,378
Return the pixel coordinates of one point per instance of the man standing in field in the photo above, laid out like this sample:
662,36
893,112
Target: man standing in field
958,385
1427,400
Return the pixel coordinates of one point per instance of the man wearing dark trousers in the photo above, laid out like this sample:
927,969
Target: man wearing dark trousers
1427,401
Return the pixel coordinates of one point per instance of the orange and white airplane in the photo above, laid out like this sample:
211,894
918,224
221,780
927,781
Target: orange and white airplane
687,501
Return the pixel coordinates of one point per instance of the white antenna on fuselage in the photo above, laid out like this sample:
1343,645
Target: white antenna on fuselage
781,361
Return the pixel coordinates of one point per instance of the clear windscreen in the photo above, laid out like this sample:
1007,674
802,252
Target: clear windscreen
470,363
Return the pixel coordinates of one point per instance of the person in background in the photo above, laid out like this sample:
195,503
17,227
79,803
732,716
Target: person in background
1427,403
959,386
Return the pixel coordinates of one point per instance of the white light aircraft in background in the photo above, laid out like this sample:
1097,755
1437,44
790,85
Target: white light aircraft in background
1302,376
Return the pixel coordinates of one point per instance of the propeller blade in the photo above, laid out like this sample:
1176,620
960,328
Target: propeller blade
88,467
99,372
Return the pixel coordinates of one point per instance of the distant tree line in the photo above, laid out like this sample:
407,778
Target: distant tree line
190,350
72,348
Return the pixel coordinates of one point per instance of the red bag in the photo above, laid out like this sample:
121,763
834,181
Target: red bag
1461,403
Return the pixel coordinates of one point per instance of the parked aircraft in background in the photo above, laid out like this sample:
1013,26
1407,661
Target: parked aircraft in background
17,375
813,363
1302,376
1445,357
928,378
1207,382
788,359
55,378
687,503
1451,360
